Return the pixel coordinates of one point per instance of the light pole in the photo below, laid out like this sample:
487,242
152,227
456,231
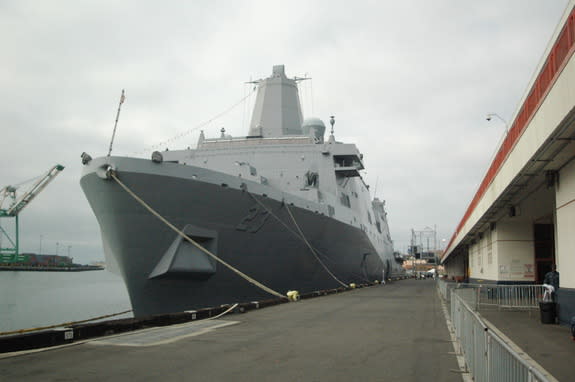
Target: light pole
57,247
490,116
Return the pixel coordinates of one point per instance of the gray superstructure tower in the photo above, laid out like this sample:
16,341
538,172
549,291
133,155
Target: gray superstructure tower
277,109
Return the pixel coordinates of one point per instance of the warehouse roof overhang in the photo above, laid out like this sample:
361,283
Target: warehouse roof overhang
537,145
541,170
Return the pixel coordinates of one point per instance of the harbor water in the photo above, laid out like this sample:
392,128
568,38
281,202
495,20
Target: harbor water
35,299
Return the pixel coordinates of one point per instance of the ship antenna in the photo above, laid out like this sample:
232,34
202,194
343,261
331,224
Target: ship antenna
332,122
311,91
122,99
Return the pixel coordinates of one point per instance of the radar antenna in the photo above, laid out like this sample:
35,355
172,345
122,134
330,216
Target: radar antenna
298,79
332,122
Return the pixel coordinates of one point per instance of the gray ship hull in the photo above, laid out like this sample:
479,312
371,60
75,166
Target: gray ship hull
164,274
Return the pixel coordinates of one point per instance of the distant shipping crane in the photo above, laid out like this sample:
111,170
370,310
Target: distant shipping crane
10,254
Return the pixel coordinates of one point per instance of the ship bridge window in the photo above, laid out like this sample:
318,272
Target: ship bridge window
348,161
347,165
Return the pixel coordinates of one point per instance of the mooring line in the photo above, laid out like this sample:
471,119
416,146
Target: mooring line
197,127
63,324
225,312
311,248
190,240
299,235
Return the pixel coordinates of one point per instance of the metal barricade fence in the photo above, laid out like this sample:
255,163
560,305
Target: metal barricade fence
511,296
501,296
487,356
442,287
445,288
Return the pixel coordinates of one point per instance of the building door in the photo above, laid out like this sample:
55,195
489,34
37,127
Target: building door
544,245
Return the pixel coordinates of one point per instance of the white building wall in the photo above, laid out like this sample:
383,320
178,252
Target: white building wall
479,266
507,252
565,229
490,268
473,260
515,251
512,254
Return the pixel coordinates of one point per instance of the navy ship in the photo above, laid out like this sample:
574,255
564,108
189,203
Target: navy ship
283,205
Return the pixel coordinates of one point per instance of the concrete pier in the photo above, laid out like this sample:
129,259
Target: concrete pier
384,333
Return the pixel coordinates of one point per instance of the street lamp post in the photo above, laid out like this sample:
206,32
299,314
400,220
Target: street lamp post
490,116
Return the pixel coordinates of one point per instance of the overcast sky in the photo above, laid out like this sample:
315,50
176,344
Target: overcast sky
409,82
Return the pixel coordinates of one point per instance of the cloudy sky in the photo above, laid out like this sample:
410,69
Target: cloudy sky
410,82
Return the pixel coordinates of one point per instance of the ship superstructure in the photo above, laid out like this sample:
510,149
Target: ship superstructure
283,204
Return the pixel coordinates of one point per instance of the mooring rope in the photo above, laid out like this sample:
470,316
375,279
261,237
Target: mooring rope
190,240
299,235
224,312
64,324
311,248
197,127
269,211
319,253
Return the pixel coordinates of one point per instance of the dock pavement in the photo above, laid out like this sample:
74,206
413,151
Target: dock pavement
393,332
550,345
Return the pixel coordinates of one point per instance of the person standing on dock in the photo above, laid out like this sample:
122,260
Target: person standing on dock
552,278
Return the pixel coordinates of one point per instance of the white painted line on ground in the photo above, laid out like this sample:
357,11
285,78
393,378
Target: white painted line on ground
163,335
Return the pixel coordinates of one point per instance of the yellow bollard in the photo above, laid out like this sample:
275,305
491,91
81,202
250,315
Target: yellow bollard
293,295
352,285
